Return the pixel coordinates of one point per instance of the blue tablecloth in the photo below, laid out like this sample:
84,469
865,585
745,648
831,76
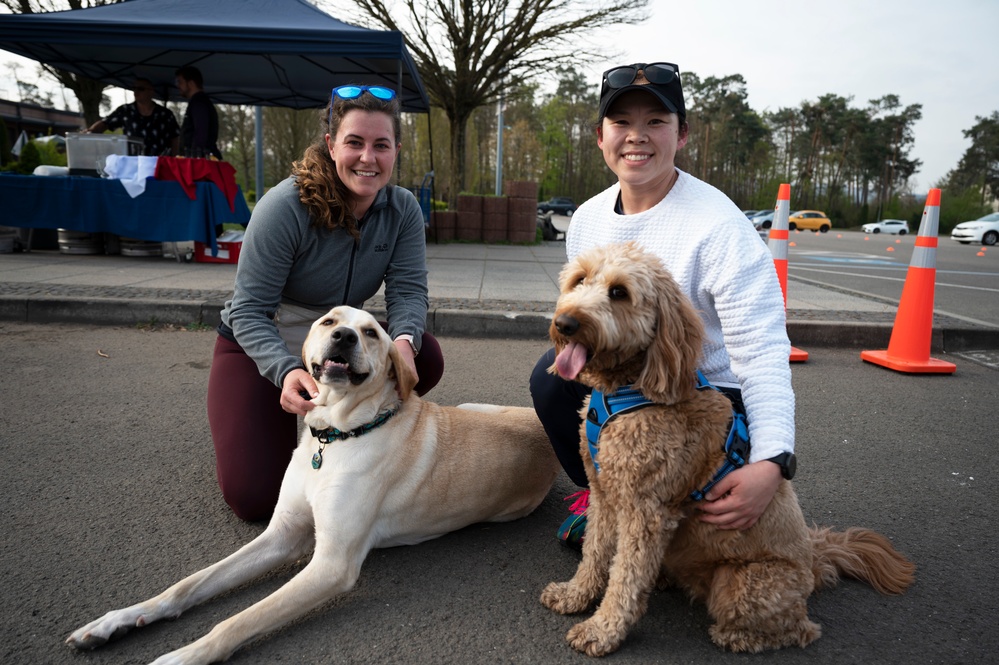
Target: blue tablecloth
163,213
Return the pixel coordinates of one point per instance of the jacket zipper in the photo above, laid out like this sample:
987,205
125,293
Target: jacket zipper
350,267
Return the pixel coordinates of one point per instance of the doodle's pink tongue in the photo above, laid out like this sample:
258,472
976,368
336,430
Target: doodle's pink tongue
569,362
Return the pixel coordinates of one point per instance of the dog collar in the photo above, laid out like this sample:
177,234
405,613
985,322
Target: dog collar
330,434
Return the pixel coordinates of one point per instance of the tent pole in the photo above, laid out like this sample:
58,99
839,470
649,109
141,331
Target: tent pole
258,128
430,143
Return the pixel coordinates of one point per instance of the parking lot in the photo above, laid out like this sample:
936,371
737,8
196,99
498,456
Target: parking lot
108,476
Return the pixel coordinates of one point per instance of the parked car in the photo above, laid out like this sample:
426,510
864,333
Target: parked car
813,220
548,230
763,220
984,230
752,213
560,205
893,226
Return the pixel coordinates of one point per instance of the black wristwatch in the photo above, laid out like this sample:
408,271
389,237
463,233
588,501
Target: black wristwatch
788,464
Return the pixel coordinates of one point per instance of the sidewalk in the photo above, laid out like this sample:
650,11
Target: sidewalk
476,290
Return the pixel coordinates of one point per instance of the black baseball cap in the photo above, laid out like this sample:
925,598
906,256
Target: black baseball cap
661,79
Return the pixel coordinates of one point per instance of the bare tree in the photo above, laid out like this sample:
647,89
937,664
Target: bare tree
471,52
87,90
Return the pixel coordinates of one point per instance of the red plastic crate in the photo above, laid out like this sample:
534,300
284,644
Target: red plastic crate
228,252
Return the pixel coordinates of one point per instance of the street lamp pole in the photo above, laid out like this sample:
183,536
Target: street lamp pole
499,128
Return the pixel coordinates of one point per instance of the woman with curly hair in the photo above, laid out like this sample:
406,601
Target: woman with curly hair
330,234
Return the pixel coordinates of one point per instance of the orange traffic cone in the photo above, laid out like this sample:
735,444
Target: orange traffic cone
909,347
777,243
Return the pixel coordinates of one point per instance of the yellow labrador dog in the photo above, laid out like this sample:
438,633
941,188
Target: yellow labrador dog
376,466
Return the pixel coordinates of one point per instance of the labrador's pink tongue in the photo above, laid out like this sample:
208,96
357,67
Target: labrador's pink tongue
569,362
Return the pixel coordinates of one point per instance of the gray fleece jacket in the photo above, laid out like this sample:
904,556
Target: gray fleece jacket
285,260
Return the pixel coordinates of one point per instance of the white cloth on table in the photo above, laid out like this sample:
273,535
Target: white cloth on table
49,169
130,171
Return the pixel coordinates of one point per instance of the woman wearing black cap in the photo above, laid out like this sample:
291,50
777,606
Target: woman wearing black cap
718,261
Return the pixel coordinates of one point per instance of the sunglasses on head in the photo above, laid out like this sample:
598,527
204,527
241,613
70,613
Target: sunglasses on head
660,73
355,91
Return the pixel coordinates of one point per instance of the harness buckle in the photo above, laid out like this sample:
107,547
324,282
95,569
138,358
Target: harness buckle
591,416
737,447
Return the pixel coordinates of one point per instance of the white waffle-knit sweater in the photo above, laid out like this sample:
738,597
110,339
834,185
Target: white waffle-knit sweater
718,260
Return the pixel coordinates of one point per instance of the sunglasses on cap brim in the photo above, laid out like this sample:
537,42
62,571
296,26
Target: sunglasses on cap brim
659,73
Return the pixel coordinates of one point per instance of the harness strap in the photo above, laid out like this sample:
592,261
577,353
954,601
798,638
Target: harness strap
736,454
736,445
605,407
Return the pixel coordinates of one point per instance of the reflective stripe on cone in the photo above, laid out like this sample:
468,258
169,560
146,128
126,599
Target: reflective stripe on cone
777,242
909,346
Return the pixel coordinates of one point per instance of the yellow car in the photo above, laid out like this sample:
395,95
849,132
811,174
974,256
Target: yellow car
813,220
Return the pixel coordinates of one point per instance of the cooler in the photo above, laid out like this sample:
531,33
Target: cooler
86,153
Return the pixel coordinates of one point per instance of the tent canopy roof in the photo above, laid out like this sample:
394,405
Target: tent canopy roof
258,52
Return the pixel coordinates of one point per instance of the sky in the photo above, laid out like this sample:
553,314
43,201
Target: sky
941,55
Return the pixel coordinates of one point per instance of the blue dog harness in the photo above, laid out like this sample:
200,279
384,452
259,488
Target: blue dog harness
605,407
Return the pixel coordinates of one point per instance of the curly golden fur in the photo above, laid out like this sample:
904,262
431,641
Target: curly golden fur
620,307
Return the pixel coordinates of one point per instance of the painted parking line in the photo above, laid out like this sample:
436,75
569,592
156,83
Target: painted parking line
798,267
847,258
988,358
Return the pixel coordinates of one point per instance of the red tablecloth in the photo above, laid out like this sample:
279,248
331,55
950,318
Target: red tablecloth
188,170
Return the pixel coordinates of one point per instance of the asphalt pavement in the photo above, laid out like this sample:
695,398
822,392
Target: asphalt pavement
107,477
107,473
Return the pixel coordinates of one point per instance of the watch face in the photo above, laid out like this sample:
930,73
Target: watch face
790,466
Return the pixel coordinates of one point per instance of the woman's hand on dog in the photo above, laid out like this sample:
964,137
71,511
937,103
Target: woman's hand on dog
406,351
738,500
297,383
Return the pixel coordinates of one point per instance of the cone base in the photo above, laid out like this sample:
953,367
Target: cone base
798,356
928,366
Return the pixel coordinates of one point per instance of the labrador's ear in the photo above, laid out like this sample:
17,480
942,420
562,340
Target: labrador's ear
404,377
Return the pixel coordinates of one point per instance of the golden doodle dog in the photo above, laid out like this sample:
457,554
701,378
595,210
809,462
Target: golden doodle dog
376,467
621,320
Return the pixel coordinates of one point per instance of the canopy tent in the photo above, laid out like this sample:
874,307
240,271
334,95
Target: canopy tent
257,52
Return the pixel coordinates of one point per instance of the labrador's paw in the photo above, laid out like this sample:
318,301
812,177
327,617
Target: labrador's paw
112,625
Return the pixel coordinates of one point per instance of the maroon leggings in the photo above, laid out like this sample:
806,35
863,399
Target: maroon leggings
254,437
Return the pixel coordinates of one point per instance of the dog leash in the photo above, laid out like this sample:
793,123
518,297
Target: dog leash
330,434
605,407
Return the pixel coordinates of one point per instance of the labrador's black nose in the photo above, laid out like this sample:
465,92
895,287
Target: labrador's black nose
344,338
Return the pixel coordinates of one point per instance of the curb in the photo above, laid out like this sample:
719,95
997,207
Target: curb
451,322
944,339
107,311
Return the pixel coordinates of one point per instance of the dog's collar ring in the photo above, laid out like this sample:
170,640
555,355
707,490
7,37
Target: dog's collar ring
331,434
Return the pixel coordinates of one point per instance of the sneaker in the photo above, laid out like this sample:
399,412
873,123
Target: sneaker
573,529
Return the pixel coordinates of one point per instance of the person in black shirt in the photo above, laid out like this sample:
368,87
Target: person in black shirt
199,133
144,119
